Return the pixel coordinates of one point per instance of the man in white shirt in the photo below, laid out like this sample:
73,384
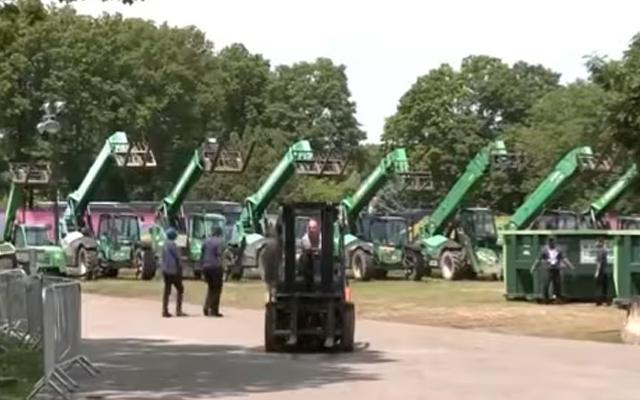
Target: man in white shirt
312,239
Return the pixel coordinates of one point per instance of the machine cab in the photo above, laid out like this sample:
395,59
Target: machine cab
32,235
388,231
119,228
480,225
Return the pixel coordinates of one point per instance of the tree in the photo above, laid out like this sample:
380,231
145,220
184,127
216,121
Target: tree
570,116
455,113
115,74
312,100
621,79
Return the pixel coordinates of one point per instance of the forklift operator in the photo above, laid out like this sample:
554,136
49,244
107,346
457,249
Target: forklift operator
312,239
311,245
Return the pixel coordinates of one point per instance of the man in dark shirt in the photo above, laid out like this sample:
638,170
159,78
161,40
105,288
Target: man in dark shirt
601,273
211,259
172,273
553,259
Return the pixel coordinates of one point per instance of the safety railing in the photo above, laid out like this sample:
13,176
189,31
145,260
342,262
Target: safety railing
44,313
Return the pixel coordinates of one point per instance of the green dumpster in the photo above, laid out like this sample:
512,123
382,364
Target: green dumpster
521,248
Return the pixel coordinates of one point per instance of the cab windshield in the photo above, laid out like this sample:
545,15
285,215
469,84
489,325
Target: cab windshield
126,227
37,236
203,226
479,224
390,232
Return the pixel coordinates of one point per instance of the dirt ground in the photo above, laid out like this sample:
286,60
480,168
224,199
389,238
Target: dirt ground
143,356
471,305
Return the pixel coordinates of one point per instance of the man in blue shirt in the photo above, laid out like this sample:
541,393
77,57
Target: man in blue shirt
211,259
172,274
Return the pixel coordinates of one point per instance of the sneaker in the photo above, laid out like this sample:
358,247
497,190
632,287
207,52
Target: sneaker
217,315
181,314
166,315
205,312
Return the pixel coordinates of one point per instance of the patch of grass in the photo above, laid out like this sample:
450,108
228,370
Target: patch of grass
23,365
473,305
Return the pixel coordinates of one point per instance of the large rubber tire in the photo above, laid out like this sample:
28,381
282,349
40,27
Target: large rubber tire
451,265
87,263
148,264
416,265
347,340
362,265
232,272
272,343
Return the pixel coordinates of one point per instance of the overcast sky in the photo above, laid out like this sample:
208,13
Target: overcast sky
387,44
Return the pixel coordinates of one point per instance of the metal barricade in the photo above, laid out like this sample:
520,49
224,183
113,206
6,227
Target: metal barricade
61,337
13,309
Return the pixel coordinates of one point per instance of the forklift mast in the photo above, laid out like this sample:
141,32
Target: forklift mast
209,157
577,160
116,148
24,177
394,164
494,153
609,198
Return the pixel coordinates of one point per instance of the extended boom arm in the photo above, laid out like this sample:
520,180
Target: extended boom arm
118,149
210,157
578,159
610,196
494,153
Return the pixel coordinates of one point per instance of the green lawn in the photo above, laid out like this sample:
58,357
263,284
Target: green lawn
23,365
467,305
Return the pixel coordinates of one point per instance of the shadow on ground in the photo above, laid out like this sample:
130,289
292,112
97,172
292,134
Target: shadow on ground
156,369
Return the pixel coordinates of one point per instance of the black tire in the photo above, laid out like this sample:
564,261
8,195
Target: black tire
451,265
415,265
362,265
272,343
347,340
87,263
232,271
148,264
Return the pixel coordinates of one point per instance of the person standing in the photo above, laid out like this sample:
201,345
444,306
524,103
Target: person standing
172,274
601,273
554,260
211,259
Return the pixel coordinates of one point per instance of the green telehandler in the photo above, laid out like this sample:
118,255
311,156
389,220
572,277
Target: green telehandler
375,244
463,242
193,227
86,253
30,238
578,160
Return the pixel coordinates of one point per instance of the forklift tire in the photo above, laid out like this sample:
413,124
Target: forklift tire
348,327
148,265
272,343
451,265
362,265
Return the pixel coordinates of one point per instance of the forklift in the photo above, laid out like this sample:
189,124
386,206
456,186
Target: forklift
310,306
